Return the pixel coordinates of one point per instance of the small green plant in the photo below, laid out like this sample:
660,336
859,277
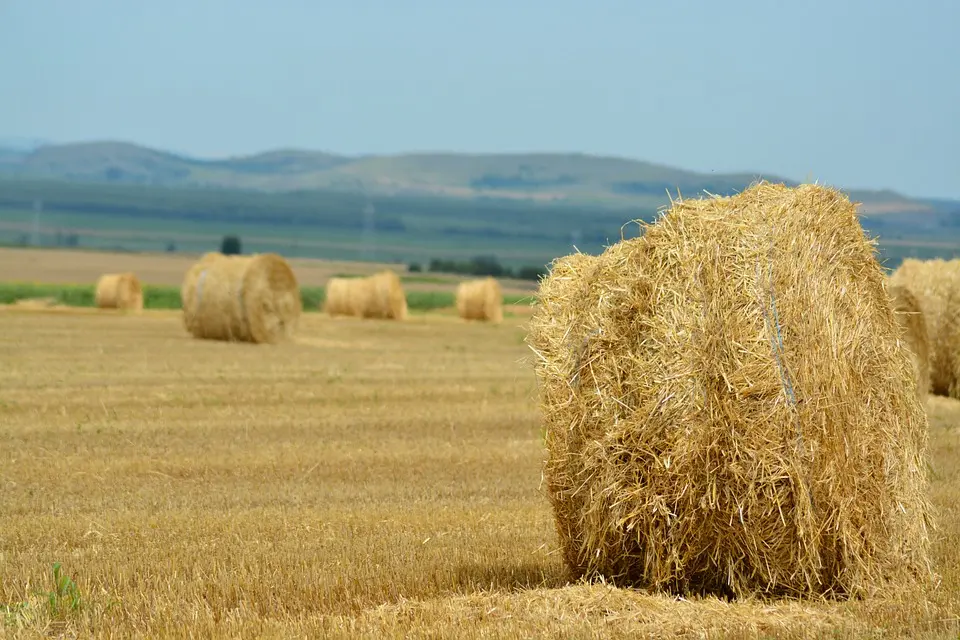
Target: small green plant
64,599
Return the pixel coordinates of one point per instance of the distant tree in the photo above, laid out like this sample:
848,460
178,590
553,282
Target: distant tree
414,267
439,265
231,246
487,266
71,240
531,273
171,247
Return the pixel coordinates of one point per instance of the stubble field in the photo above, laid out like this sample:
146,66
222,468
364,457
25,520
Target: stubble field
370,479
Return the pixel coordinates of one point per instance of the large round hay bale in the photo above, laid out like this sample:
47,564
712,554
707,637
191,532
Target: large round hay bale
480,299
727,406
119,291
380,295
914,333
241,298
936,285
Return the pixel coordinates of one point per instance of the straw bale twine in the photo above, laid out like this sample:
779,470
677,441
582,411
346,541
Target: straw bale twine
380,295
727,407
119,291
480,299
914,333
241,298
936,285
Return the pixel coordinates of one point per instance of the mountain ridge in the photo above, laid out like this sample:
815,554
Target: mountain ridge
574,177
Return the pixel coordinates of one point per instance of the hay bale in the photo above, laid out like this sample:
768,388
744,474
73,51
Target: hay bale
727,407
936,285
119,291
346,296
480,299
907,308
380,296
389,300
241,298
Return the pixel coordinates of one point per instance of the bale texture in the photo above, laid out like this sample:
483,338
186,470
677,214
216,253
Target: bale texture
119,291
914,333
936,285
389,299
480,299
380,295
727,407
241,298
346,296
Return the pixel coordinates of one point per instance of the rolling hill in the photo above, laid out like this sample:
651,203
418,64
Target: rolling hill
570,178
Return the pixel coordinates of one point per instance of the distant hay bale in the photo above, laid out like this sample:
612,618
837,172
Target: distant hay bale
727,408
343,299
241,298
119,291
380,295
936,285
480,299
911,317
389,299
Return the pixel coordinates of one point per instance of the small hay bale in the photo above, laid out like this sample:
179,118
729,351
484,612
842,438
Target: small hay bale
389,299
936,285
380,295
241,298
119,291
346,296
727,408
915,338
480,299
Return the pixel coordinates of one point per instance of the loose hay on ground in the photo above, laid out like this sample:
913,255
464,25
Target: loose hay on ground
480,299
119,291
241,298
600,609
936,285
380,296
911,318
727,407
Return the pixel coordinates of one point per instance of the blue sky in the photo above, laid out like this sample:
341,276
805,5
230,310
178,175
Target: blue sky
855,93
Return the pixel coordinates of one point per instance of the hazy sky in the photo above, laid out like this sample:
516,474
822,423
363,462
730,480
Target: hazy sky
857,93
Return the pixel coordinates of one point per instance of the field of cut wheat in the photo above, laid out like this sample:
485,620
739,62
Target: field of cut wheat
369,479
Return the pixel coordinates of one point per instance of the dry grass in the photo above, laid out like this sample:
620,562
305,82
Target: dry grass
370,479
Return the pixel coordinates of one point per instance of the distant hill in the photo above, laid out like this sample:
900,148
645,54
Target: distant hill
572,177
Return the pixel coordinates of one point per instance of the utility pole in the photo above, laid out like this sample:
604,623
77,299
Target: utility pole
37,208
369,241
368,248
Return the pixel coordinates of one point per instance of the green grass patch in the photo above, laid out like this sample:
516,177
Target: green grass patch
518,299
428,279
168,297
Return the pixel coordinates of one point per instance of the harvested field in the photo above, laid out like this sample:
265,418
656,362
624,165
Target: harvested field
367,479
64,266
